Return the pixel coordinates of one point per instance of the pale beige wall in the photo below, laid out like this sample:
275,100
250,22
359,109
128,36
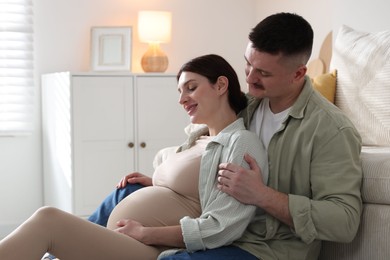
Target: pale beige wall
368,16
318,13
199,27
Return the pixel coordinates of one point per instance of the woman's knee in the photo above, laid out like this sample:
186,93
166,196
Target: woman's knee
47,214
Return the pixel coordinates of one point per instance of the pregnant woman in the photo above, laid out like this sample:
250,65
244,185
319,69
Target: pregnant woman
183,208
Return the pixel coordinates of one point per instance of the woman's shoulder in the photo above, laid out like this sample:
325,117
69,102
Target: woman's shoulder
246,135
238,131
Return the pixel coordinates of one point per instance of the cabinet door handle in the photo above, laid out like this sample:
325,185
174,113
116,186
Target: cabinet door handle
130,145
143,145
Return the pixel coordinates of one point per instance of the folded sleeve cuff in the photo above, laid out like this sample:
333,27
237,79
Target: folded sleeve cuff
300,210
191,234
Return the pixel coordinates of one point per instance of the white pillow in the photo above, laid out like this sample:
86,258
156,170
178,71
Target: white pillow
362,61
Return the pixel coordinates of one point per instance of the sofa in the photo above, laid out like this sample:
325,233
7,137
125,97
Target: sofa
360,81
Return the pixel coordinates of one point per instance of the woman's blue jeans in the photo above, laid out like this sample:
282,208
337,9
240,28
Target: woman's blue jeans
221,253
102,213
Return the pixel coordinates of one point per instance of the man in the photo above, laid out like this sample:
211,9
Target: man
313,192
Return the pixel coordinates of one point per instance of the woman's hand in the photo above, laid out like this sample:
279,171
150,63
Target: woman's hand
130,228
171,236
133,178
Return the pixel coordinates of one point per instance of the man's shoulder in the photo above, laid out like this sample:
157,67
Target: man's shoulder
328,113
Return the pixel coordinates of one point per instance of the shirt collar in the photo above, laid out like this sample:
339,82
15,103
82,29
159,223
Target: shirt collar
223,137
298,109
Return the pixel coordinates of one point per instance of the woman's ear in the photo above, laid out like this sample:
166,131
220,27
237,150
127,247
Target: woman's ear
222,84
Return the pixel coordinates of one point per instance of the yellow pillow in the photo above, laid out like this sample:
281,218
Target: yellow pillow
326,85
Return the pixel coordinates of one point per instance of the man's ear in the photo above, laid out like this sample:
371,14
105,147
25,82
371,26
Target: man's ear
300,73
222,84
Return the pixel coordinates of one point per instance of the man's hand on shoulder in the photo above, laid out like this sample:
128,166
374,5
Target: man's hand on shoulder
243,184
248,187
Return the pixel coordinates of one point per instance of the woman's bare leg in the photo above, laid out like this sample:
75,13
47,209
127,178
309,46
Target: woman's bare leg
70,238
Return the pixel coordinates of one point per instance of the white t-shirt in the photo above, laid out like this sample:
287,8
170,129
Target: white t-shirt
265,123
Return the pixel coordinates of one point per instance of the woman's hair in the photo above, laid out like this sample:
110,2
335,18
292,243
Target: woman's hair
285,33
213,66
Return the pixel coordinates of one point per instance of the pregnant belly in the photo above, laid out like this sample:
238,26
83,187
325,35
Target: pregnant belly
154,206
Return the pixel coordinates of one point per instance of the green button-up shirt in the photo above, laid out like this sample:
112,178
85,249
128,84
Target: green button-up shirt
315,159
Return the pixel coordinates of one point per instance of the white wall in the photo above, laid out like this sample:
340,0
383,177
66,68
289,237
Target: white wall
199,27
369,16
317,13
20,178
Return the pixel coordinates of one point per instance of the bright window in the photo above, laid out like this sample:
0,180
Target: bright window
16,67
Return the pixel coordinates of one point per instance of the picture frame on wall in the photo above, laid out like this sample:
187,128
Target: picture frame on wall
111,48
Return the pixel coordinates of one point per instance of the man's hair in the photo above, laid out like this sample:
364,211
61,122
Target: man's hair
285,33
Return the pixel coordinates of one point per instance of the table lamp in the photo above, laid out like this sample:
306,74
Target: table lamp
154,27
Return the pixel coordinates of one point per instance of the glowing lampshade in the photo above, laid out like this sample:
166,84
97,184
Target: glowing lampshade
154,27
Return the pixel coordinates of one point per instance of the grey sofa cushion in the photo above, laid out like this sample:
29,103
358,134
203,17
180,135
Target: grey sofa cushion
371,242
376,175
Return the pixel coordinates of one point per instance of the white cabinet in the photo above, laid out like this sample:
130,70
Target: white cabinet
99,127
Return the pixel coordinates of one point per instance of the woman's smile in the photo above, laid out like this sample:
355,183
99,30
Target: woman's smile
191,109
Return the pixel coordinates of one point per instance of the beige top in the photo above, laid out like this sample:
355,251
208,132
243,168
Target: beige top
180,172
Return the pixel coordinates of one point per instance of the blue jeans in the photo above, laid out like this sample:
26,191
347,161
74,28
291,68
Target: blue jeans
221,253
102,213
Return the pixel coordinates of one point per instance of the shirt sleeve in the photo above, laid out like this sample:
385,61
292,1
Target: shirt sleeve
334,211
